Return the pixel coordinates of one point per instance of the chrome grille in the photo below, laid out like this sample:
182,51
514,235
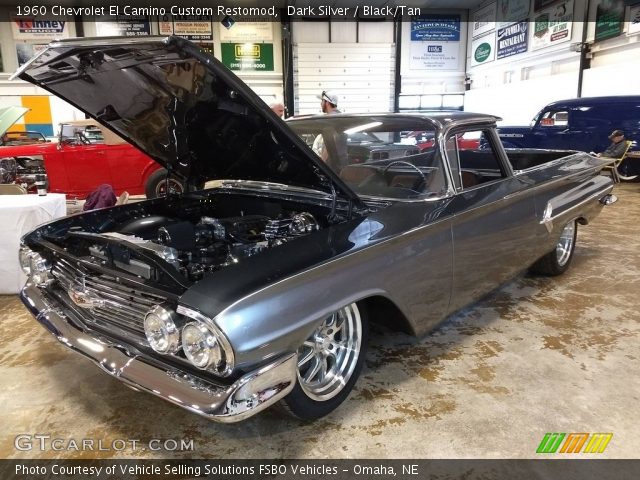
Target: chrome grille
124,306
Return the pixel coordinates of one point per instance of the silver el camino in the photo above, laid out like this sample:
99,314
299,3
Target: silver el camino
261,288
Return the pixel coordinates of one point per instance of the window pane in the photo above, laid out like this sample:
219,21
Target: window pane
379,156
478,164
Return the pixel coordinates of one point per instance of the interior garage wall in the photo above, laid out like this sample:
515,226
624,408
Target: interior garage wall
354,59
615,64
517,87
268,85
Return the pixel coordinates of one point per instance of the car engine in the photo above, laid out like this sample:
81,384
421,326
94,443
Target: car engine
206,245
21,171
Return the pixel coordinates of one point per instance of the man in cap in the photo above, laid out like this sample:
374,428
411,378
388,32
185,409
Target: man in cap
337,140
618,145
328,102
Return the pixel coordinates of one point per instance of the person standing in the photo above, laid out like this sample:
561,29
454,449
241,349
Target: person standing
328,102
339,158
278,108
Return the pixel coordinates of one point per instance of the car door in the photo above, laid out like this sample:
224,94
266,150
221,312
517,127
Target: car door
552,130
493,234
84,160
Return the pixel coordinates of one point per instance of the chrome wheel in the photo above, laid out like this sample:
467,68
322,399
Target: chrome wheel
564,248
328,358
175,187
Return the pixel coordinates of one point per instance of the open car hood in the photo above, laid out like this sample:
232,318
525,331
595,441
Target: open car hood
181,107
9,116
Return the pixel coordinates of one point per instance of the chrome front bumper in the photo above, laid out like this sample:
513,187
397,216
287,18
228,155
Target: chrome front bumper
248,395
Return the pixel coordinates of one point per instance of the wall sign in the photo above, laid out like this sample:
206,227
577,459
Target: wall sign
237,30
540,4
553,25
513,10
252,57
483,49
513,39
124,26
609,19
438,28
434,55
37,28
191,27
26,51
483,20
634,20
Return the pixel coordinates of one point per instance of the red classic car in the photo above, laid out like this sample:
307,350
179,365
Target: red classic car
88,155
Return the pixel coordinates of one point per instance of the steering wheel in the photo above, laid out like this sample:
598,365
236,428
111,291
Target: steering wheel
82,138
423,179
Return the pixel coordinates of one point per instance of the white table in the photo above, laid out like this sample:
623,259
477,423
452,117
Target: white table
19,214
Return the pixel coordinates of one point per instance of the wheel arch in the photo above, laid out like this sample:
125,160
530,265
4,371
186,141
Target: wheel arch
382,310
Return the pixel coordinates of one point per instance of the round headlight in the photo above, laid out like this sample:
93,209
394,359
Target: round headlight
25,259
39,268
161,330
201,346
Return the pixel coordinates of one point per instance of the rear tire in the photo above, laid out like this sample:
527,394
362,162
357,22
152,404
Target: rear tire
557,261
329,364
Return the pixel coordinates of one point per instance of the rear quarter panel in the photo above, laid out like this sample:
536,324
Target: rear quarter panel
565,190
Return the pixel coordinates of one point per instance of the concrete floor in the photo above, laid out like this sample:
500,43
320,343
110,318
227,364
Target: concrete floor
538,355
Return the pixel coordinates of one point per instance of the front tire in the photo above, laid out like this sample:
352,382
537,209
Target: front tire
557,261
156,184
329,364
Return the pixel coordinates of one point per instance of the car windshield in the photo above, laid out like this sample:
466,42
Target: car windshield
19,138
81,134
380,156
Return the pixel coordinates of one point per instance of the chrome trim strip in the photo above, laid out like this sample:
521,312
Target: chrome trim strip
248,395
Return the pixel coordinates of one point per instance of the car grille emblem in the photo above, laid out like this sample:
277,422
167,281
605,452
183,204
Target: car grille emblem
82,297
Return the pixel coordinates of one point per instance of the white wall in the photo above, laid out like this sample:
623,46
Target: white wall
615,66
517,87
517,103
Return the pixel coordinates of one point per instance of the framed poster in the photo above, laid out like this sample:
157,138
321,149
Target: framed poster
609,19
124,26
192,27
483,20
483,49
248,57
236,30
633,28
512,40
552,25
510,11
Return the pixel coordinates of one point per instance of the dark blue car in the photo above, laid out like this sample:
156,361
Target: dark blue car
581,124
